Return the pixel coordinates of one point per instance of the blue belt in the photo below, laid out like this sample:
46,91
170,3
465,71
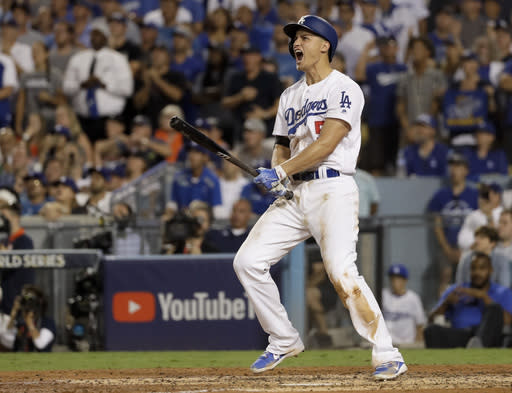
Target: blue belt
306,176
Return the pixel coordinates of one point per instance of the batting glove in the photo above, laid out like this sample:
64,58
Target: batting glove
270,178
278,191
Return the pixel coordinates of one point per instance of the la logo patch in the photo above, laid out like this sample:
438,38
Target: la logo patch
302,20
345,100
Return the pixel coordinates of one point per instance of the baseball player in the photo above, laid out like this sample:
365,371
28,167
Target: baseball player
318,137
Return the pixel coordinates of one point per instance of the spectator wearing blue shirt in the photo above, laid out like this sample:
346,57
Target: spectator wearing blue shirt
286,67
426,157
382,78
442,35
8,87
467,103
183,59
230,239
371,21
451,205
260,200
485,158
197,182
477,310
35,185
506,85
265,14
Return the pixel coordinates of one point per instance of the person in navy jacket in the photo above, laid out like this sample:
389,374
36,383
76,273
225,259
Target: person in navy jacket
426,157
485,158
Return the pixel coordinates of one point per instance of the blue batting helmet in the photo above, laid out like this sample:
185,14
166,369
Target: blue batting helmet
316,25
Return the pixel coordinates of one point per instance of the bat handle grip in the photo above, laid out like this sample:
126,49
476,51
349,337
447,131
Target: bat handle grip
288,195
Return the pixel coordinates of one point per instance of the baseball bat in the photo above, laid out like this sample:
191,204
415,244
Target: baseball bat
201,139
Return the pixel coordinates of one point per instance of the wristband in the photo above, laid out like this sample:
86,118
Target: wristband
281,174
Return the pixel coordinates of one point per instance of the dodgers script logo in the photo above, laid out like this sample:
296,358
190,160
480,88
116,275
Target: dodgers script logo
297,117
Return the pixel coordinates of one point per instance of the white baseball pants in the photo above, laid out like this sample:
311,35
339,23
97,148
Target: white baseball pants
326,209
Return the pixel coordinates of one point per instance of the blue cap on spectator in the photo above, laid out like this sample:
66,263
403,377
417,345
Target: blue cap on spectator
203,123
398,270
486,126
67,181
240,26
35,176
105,172
183,31
496,187
61,130
197,147
117,17
374,2
469,55
141,120
150,25
118,170
426,119
457,158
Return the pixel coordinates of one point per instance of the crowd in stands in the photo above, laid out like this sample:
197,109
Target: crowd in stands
87,89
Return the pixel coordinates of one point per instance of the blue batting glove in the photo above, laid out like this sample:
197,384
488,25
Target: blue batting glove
268,178
278,191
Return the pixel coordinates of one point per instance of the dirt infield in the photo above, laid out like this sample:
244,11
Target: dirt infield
419,379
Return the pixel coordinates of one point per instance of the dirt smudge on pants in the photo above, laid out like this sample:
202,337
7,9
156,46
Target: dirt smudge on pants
364,309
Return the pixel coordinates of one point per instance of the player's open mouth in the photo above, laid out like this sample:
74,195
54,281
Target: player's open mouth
299,55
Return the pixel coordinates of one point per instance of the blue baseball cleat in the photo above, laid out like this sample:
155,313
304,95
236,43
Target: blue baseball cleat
389,370
269,360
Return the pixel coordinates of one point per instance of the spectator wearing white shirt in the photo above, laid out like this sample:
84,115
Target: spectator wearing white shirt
505,234
354,38
231,184
170,13
20,53
402,308
419,9
98,81
8,87
401,23
488,213
230,5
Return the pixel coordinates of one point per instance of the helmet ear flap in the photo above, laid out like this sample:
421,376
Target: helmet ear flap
290,47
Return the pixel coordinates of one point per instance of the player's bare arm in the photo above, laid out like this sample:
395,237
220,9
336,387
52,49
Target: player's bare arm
333,131
280,154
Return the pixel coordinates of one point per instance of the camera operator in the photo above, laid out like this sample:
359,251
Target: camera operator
127,242
15,239
185,232
28,329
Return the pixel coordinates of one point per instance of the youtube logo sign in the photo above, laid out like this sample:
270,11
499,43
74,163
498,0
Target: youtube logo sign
133,307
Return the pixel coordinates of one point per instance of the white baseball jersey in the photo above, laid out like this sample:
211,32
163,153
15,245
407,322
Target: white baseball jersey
402,314
303,110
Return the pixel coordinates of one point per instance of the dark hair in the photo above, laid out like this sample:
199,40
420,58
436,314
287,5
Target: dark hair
483,191
482,256
427,43
39,293
488,232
